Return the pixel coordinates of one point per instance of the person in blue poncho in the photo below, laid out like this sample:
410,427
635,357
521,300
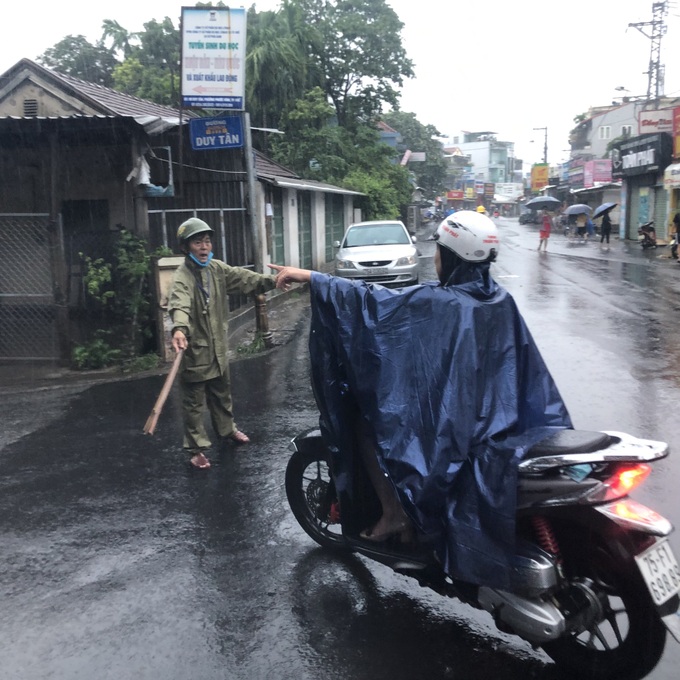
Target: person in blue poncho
441,388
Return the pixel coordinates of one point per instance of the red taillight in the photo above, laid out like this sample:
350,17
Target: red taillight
626,479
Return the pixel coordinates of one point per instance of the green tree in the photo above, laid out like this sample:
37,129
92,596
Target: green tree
146,82
151,67
357,47
430,174
120,37
317,148
159,50
75,56
276,63
310,146
385,192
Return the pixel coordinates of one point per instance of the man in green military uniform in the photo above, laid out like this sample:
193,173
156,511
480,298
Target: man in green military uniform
198,307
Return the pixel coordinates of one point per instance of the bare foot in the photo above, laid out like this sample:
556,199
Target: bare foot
200,461
388,528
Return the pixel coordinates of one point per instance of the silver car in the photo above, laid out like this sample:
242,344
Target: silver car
378,252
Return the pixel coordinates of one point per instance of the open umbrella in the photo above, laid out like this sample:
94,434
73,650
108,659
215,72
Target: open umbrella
578,209
602,209
543,203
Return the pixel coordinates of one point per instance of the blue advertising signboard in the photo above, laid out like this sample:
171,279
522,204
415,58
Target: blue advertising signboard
216,133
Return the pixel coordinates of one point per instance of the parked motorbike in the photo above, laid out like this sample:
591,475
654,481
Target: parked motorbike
647,235
594,581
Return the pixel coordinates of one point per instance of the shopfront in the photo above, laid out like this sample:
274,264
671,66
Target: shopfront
671,181
640,163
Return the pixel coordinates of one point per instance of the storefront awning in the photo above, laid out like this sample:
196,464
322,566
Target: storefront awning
671,176
596,188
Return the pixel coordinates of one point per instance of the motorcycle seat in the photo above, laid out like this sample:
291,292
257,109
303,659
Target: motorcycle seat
569,441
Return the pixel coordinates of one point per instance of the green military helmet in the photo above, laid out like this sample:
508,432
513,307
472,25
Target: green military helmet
192,227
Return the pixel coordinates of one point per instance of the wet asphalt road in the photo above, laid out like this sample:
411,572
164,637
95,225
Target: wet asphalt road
119,561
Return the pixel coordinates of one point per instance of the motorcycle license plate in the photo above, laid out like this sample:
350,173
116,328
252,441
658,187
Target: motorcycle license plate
660,570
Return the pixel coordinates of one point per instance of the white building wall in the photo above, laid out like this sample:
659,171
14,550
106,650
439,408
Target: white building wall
479,158
614,120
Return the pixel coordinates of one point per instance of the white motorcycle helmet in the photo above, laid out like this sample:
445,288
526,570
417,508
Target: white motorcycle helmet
471,235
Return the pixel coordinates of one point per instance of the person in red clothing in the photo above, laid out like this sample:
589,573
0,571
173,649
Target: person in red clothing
544,233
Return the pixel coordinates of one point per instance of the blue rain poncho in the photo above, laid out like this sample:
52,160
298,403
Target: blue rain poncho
454,391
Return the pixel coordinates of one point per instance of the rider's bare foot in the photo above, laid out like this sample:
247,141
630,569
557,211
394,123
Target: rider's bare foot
386,528
200,461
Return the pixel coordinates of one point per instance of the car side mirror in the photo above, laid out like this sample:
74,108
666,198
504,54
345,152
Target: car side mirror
413,239
336,244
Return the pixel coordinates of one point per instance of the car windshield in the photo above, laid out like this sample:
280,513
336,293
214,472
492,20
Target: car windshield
373,235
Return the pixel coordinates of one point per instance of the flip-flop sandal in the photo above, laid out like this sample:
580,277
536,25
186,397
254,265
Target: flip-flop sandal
199,461
239,437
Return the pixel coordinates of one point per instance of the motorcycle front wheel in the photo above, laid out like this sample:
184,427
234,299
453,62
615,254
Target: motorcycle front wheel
628,640
312,498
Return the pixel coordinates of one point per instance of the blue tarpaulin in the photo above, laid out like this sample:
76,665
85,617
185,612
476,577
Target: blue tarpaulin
454,390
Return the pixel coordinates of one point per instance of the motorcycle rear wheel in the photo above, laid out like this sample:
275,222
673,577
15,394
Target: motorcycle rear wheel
311,496
629,640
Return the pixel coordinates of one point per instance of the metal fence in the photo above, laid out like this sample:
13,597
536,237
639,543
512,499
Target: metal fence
27,307
228,244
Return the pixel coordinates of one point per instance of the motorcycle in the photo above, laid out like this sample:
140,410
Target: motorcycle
647,235
594,581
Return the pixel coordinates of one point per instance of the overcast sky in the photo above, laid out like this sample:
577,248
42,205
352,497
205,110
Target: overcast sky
492,65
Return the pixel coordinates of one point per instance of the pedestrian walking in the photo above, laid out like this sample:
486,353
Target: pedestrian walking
544,233
581,222
606,229
198,305
590,227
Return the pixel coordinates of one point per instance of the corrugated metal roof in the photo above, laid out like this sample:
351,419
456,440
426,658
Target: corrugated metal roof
266,168
309,185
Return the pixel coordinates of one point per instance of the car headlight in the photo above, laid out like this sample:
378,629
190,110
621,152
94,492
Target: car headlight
406,260
345,264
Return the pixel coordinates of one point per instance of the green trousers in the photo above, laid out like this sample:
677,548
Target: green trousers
216,394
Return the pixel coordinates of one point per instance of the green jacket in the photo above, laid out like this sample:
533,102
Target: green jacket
201,313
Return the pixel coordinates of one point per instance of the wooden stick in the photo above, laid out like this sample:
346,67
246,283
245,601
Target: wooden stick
152,420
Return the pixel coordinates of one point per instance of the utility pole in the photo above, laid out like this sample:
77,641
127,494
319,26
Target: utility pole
545,143
656,68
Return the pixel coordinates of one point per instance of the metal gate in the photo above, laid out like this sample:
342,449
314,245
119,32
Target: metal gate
27,307
659,216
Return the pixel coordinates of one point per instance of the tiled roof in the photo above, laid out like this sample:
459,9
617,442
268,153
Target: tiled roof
105,99
120,103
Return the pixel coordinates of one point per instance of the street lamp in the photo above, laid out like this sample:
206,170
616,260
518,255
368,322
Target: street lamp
545,143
